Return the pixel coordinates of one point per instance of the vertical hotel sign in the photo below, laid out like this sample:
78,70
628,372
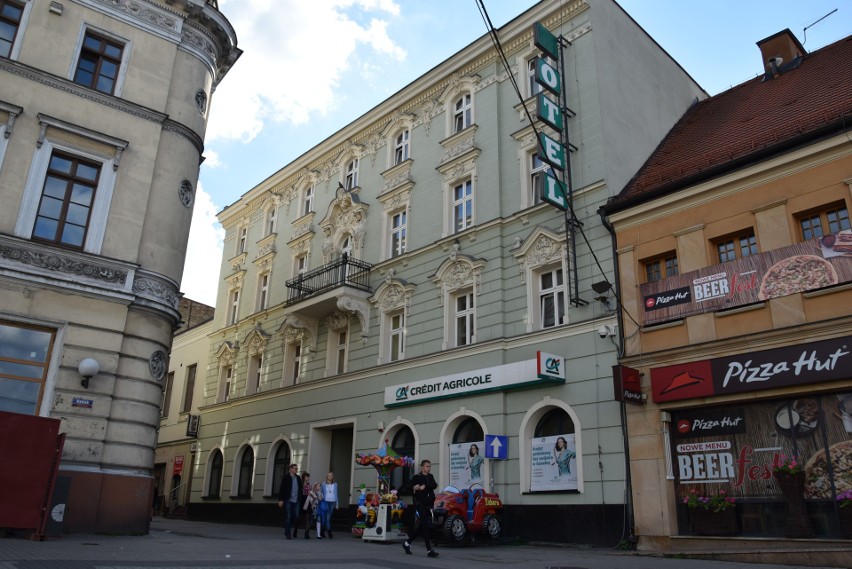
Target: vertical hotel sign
549,111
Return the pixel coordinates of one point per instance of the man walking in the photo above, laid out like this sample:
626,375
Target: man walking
288,498
423,485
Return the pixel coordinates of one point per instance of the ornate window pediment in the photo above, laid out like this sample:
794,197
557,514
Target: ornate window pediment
346,216
542,247
255,341
299,330
227,354
457,272
393,294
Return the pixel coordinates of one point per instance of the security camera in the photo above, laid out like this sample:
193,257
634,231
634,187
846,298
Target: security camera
604,331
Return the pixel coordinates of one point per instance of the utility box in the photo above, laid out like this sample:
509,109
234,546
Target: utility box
31,448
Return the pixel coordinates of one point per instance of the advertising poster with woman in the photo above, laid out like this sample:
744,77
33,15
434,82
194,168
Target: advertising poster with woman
467,464
554,463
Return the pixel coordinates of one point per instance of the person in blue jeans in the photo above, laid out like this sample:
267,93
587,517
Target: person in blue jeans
288,498
329,497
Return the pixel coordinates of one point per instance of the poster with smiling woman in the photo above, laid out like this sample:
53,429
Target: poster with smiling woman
554,463
466,464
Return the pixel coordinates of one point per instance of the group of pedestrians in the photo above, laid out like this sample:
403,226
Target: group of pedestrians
302,502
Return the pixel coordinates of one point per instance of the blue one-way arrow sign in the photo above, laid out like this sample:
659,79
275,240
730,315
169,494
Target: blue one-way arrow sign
497,446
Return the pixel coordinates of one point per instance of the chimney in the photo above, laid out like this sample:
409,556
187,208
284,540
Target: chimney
780,52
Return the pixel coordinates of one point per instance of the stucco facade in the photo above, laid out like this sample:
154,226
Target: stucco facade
409,249
104,107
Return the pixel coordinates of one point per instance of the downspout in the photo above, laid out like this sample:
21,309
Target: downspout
628,479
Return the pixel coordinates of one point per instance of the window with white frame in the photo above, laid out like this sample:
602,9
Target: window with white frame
242,240
292,363
271,220
262,291
167,394
255,374
463,113
233,306
401,147
462,205
308,200
214,474
189,388
538,170
226,378
398,230
341,349
396,336
351,180
464,318
100,62
301,264
25,353
533,88
551,298
11,22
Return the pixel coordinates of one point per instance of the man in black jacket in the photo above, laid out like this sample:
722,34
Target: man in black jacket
423,485
288,498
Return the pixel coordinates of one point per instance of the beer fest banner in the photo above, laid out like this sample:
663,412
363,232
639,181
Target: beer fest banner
810,265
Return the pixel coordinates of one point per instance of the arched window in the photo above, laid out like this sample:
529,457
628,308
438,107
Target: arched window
554,422
245,474
214,488
469,431
403,444
282,463
346,247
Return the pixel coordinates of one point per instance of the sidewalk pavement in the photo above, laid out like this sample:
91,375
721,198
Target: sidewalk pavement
176,544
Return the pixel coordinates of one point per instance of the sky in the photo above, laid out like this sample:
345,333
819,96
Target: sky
310,68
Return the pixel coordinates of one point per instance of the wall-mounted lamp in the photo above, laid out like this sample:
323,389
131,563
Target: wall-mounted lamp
88,368
602,288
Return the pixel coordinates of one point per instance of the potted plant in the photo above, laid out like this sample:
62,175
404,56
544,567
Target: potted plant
791,481
844,500
712,514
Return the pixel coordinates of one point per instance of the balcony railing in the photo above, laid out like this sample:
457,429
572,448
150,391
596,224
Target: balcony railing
342,272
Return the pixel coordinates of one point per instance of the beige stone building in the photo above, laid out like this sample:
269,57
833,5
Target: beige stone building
103,110
735,270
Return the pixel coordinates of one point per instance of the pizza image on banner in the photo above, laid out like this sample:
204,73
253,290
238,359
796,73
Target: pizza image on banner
796,274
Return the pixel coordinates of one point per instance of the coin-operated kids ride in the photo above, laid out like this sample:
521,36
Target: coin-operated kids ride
380,515
461,513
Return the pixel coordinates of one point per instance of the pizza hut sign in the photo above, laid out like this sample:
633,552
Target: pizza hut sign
811,265
828,360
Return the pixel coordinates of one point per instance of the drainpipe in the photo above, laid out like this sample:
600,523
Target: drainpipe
628,479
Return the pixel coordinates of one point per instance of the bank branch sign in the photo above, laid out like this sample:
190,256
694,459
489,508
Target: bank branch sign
545,369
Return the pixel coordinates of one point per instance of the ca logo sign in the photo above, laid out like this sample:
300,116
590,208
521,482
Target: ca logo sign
552,365
402,393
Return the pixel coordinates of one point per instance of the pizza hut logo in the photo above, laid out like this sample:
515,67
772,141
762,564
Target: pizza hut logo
683,426
668,298
650,302
682,381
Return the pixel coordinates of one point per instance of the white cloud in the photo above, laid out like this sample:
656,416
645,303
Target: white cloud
294,54
211,159
203,252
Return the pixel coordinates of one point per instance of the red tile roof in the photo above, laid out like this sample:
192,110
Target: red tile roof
748,123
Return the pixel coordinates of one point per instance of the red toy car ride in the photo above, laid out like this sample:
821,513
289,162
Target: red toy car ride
459,513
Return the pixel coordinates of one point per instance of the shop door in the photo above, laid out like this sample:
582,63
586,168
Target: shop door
341,463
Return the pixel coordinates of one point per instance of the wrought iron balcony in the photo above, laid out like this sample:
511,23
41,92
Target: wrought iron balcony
343,272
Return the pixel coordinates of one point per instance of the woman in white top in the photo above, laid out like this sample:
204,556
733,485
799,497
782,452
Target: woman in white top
329,495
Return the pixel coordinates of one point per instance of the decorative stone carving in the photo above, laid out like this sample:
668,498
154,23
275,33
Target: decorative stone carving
346,216
227,354
459,170
157,365
542,247
66,264
236,281
256,341
185,193
459,271
337,321
201,101
157,290
360,308
299,330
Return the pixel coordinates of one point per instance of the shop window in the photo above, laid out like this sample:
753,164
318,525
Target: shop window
190,388
167,395
403,444
828,220
736,246
468,431
554,440
245,473
660,268
554,422
214,474
24,359
281,466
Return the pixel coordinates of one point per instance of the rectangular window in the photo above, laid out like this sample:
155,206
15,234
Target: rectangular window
24,358
308,203
829,220
271,220
399,226
551,299
234,306
262,291
167,394
660,268
65,207
397,337
463,114
463,206
341,352
464,319
99,63
295,363
352,175
400,153
10,20
242,240
190,388
534,88
736,246
227,377
301,264
255,374
538,169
